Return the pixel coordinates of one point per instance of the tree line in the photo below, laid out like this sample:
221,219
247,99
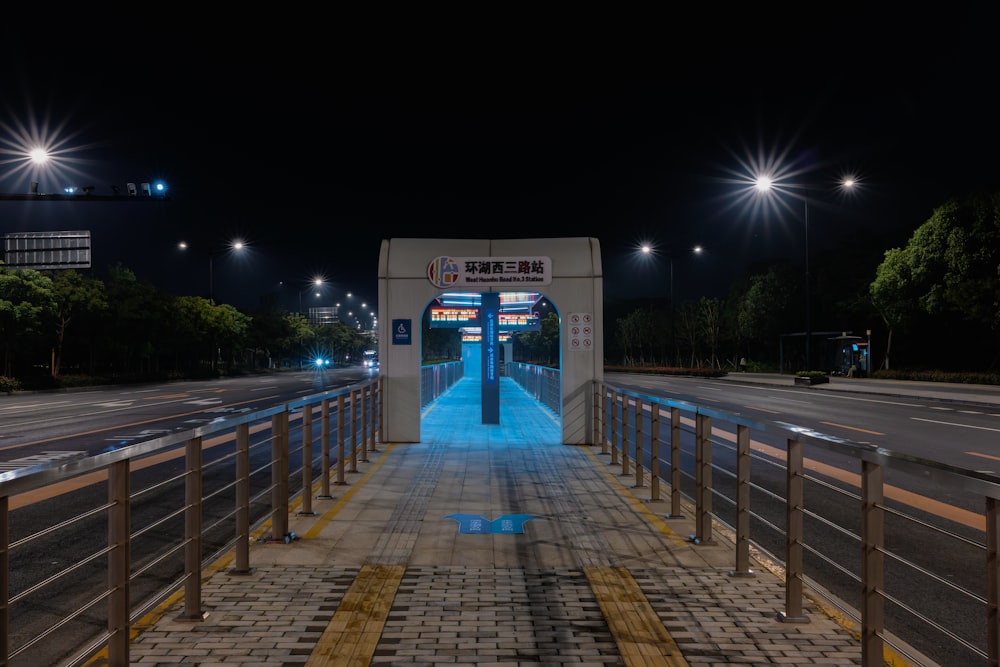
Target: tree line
932,303
60,323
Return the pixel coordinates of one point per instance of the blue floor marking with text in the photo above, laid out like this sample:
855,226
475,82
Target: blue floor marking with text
477,523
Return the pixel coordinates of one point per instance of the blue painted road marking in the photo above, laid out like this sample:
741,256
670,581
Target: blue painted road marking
477,523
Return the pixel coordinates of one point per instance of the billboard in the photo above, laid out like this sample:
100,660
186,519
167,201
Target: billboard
47,250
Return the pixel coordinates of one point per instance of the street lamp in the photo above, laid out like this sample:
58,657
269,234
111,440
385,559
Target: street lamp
764,185
236,245
648,249
316,283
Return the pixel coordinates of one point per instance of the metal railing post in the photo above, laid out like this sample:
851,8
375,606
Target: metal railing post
307,460
614,427
703,479
675,463
742,502
794,535
340,440
354,431
279,476
624,451
654,451
119,563
325,445
4,580
639,477
604,419
370,415
596,398
993,580
192,531
381,415
363,425
242,559
872,562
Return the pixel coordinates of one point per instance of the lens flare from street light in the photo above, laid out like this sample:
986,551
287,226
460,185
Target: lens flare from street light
29,151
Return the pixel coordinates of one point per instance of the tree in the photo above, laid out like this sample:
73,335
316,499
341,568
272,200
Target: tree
74,295
540,346
229,328
710,311
689,330
26,297
299,333
269,326
762,311
340,342
440,342
950,270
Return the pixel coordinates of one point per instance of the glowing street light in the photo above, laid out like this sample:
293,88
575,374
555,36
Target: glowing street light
235,245
765,184
38,156
316,283
648,249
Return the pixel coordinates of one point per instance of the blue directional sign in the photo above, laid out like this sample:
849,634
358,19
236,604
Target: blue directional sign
477,523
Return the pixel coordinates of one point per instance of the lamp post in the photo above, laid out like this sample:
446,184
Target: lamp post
648,249
316,283
236,245
764,185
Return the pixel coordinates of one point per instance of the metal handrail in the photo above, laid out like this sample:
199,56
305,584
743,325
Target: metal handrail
254,463
628,422
182,544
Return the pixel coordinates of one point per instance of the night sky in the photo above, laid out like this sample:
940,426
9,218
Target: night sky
312,139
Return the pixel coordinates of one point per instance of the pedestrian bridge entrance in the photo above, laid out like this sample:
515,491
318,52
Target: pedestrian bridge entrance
415,272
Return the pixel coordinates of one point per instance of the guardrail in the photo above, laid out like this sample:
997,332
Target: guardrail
855,543
171,506
144,521
543,383
436,378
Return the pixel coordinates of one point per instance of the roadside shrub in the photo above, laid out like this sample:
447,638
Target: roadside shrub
939,376
9,385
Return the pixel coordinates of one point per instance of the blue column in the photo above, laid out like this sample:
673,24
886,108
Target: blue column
489,323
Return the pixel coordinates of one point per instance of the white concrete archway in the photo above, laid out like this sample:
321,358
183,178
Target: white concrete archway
567,270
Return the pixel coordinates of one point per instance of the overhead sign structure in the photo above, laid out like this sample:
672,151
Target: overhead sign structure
448,272
47,250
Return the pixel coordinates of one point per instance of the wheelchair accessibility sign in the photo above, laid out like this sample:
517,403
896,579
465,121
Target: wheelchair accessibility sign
402,332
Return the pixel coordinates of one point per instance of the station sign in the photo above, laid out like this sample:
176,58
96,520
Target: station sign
514,272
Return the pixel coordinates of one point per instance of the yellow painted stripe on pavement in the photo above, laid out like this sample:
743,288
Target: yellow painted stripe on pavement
328,516
641,638
353,633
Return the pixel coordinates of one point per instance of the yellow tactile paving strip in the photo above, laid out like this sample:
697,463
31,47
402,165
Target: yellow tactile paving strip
638,631
353,633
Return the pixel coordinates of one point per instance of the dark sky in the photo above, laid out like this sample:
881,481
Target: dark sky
315,137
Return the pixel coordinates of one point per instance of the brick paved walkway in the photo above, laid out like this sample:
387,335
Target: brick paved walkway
491,545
